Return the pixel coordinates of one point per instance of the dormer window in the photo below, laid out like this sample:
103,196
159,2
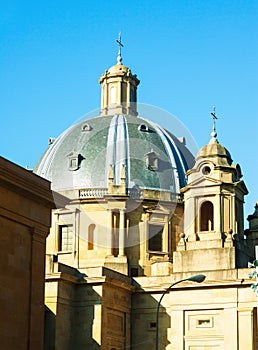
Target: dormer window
51,140
152,161
143,127
86,127
74,161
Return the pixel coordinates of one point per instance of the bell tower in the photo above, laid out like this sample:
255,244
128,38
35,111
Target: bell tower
118,88
213,214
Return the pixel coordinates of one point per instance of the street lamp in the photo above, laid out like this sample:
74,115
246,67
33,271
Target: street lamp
196,278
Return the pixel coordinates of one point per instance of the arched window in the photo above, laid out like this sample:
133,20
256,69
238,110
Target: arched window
112,92
206,222
91,236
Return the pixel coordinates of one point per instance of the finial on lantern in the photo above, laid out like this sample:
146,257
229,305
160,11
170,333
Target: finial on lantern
119,42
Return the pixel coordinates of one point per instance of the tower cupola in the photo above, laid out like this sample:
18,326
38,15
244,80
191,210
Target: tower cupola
118,88
213,216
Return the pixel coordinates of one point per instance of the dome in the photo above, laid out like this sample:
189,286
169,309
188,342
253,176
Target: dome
81,157
118,68
215,150
117,146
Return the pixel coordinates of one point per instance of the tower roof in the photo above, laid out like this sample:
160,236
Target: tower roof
214,150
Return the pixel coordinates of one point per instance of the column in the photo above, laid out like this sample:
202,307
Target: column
165,236
128,98
231,333
122,232
119,93
103,96
106,101
222,213
176,332
77,240
109,232
217,215
191,218
233,213
245,328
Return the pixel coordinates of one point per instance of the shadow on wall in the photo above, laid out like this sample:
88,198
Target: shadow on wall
143,327
49,329
77,311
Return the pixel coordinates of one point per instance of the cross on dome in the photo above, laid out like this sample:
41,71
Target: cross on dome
119,42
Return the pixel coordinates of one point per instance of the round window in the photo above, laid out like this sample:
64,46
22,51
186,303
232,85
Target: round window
206,170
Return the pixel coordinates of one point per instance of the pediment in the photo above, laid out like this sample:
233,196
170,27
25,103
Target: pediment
204,182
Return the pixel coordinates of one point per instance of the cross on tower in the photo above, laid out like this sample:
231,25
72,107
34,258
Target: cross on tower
214,117
214,114
119,42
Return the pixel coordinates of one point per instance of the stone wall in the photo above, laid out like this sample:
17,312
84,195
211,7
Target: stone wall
89,310
219,313
25,206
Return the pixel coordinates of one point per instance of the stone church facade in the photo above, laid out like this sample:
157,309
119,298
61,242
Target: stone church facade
142,213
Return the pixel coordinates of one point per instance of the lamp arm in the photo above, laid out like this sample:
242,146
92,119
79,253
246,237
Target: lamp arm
197,278
158,307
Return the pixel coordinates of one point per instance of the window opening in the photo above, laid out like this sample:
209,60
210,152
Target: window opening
206,170
207,217
155,238
143,127
152,161
65,241
112,94
91,229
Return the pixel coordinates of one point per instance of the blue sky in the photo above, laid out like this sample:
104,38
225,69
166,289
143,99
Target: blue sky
189,56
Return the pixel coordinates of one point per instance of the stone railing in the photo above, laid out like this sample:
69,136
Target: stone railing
134,193
164,195
93,192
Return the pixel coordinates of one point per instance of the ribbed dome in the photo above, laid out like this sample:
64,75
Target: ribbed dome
215,150
118,68
81,157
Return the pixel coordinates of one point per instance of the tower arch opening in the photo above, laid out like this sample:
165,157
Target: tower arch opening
207,216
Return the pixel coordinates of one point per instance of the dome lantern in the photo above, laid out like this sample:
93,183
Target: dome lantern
118,88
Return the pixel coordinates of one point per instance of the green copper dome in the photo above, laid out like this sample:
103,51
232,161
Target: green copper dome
81,157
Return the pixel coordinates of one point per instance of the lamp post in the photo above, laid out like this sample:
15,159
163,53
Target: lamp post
196,278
